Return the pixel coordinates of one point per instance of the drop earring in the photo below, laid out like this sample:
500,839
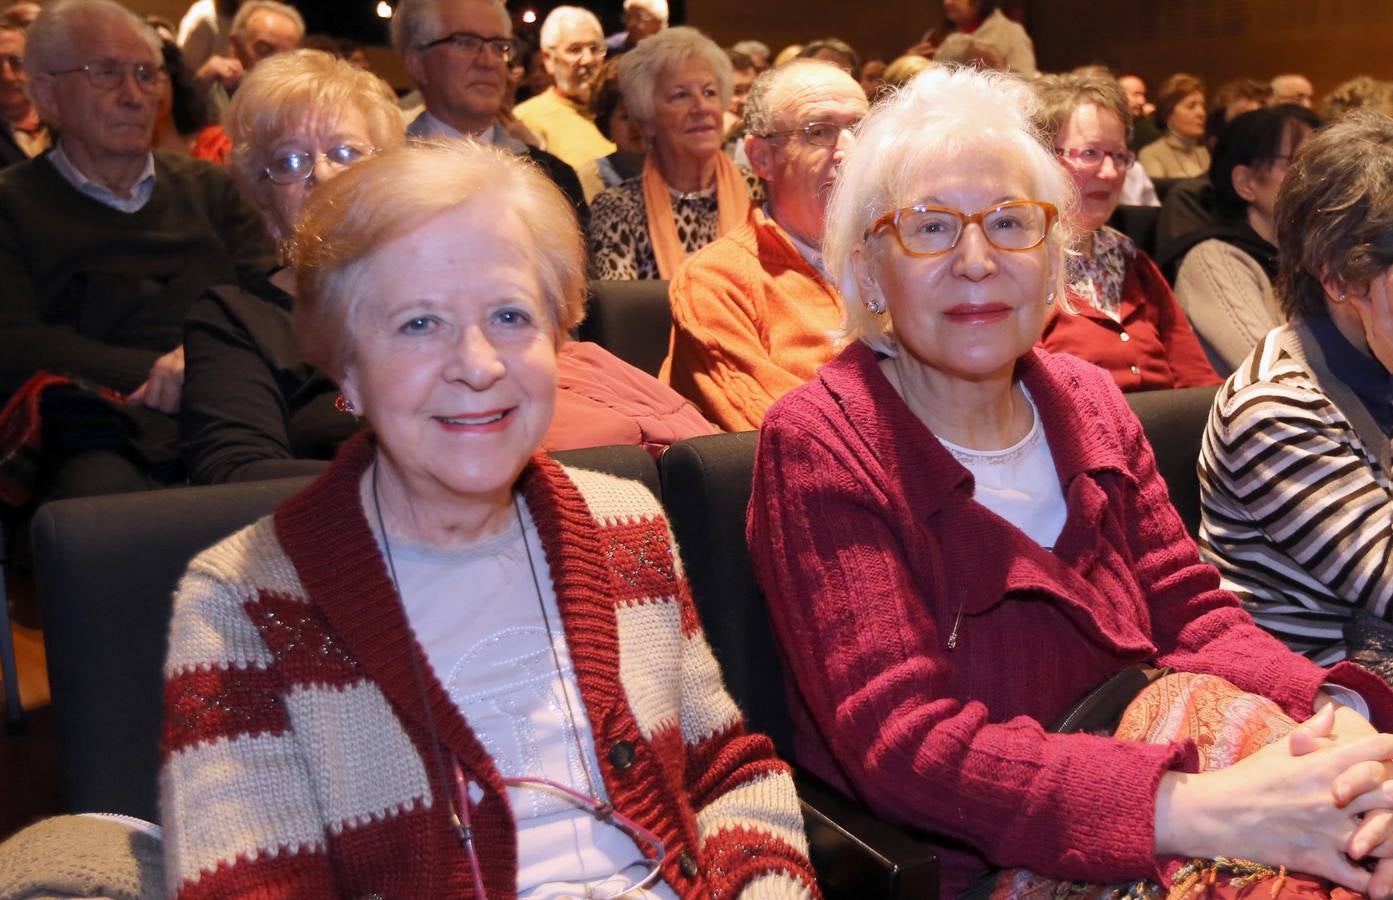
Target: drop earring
1049,298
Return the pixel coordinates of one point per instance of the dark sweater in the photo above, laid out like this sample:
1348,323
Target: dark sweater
89,290
252,407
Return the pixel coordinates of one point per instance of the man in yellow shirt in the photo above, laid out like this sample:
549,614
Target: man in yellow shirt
573,49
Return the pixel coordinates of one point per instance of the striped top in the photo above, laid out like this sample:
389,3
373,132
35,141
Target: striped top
299,758
1295,500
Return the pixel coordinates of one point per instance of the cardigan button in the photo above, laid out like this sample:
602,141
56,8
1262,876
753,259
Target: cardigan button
621,755
1126,337
688,864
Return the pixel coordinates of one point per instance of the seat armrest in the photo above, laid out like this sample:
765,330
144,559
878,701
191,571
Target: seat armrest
858,855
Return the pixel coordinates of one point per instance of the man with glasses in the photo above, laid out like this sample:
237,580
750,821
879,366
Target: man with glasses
753,313
457,52
573,49
23,134
104,244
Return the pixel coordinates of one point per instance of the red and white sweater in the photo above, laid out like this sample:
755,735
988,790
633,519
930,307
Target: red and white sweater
296,761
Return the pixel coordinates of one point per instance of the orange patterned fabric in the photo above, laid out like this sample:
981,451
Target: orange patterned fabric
1226,724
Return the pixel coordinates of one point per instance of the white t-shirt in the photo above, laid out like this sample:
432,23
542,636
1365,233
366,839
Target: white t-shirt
477,611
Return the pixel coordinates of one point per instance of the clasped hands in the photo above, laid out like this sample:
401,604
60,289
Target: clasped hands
1319,802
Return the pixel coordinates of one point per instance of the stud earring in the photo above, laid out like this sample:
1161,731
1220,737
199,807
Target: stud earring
876,305
342,404
1049,298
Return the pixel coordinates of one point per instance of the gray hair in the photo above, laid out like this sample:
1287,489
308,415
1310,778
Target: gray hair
251,7
1060,95
50,43
418,21
753,49
563,19
1334,213
944,115
656,8
761,104
642,68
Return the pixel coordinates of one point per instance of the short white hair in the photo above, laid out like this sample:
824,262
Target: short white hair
645,66
251,7
418,21
944,114
563,19
656,8
51,41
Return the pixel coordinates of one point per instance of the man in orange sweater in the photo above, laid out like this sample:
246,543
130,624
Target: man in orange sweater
753,312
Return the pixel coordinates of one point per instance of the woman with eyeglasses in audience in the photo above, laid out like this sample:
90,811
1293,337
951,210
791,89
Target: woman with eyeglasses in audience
1295,472
451,666
960,535
253,406
676,86
1123,316
1225,276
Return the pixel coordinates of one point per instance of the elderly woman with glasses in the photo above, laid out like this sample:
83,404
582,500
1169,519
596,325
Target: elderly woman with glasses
676,86
960,535
253,406
1121,314
451,666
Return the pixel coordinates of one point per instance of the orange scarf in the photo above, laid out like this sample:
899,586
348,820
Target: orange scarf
732,207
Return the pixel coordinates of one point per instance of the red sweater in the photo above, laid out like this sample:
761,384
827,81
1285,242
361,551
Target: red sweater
869,546
1152,348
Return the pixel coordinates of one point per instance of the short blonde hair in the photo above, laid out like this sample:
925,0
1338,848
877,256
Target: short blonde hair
903,68
394,193
944,115
277,96
644,67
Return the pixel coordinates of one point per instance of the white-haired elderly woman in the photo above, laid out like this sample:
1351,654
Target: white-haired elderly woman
452,667
961,535
676,86
252,407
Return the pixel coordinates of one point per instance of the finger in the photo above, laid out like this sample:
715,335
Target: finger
1344,754
1304,738
1373,832
1379,798
1341,871
138,395
1381,882
1357,779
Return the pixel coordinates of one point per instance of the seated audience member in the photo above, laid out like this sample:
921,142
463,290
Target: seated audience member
22,134
642,18
1124,317
1180,152
1137,187
980,22
676,87
1225,276
253,407
1293,88
459,603
1360,92
614,122
104,245
872,77
1294,470
573,49
960,535
753,312
742,75
261,29
457,52
903,68
181,113
1231,100
757,51
1144,129
835,51
204,37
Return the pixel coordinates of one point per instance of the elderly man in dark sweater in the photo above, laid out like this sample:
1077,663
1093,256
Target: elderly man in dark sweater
104,244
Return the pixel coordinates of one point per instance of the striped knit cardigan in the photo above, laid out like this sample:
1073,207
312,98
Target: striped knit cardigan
296,761
1296,502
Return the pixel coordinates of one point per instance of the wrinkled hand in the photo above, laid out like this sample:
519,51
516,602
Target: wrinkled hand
164,385
1295,803
225,70
1375,310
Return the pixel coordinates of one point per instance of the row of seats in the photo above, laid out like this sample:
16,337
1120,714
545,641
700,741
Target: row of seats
107,566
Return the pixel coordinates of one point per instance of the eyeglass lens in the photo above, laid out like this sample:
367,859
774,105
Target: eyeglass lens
297,165
936,230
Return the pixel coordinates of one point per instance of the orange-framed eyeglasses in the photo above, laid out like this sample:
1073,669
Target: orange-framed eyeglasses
934,230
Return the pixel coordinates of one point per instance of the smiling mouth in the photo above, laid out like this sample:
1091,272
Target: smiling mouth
484,419
977,314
